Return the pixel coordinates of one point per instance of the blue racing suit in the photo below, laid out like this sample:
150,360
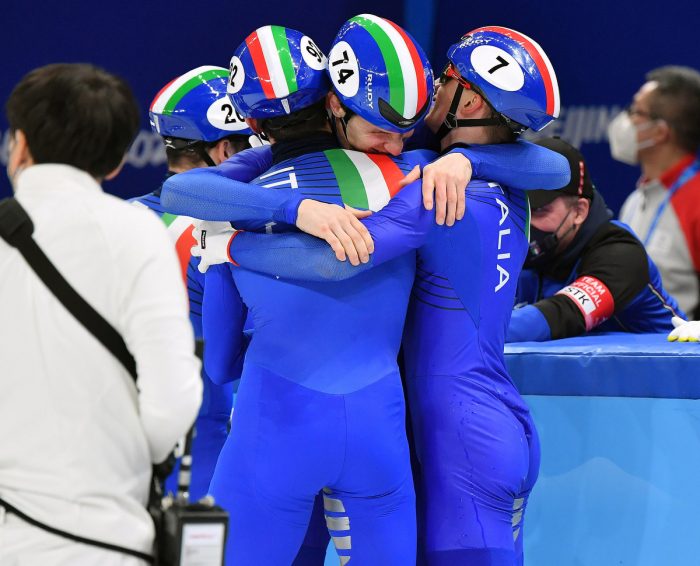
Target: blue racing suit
475,440
457,270
211,426
320,405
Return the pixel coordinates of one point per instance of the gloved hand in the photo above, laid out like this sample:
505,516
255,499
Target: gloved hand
684,330
213,241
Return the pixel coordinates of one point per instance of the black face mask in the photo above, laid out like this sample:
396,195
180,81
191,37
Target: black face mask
544,244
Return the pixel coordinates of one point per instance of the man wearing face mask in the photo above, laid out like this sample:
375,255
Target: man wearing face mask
584,272
661,132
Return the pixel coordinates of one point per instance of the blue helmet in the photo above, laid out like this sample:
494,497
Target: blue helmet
195,107
511,71
276,71
381,73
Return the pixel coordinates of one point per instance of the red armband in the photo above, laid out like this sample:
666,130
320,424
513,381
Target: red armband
593,299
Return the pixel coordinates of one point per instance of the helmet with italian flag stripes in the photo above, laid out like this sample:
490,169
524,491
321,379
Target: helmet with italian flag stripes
195,106
512,71
381,73
275,72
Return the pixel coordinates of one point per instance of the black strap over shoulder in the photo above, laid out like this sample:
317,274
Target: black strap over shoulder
16,228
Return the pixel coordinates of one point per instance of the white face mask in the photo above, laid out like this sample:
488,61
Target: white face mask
622,134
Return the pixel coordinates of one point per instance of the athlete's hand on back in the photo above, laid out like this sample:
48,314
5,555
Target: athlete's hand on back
684,330
444,181
213,241
341,228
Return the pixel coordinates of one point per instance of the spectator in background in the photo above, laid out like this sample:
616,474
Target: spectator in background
78,436
584,272
200,128
661,131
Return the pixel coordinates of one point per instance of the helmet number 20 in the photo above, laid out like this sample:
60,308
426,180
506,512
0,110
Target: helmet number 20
232,115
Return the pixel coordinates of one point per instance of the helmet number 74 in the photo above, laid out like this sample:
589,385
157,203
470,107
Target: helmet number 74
343,74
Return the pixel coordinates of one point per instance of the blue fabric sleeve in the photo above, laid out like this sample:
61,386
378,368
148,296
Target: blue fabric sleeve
521,165
195,293
246,165
401,226
528,324
223,317
223,192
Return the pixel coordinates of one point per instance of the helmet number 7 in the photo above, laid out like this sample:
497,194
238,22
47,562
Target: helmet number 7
501,63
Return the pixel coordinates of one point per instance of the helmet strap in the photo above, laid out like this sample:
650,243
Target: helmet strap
204,154
344,124
451,122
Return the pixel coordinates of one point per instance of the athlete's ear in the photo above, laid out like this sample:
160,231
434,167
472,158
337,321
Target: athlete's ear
253,125
221,151
333,102
470,104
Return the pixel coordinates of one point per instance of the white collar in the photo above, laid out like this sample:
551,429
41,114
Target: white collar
51,176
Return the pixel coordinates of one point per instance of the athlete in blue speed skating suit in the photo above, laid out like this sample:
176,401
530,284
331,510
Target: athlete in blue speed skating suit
476,443
320,404
195,137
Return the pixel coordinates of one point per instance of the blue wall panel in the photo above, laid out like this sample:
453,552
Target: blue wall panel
600,50
150,43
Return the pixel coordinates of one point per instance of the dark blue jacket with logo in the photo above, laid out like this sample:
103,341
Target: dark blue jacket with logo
603,282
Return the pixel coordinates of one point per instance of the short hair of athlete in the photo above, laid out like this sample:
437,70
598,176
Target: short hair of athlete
308,121
189,157
76,114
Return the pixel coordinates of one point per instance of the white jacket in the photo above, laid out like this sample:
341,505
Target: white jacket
77,438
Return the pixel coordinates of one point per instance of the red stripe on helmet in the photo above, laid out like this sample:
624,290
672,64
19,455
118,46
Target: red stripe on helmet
536,56
161,91
417,66
256,53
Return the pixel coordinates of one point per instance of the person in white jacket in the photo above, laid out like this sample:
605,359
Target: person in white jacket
78,436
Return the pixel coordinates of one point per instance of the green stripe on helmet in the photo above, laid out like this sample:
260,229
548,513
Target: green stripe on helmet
391,61
352,188
280,36
179,94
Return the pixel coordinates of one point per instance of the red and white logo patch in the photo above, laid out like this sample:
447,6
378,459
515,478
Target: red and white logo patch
593,299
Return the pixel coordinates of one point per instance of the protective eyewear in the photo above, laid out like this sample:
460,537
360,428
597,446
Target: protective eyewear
451,73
